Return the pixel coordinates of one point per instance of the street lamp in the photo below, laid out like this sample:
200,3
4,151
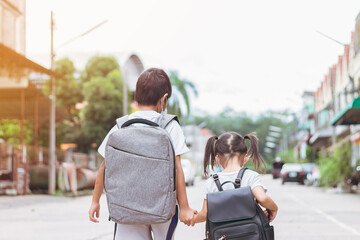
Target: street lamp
52,129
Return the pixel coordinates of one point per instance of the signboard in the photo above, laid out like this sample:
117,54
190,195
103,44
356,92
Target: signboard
18,82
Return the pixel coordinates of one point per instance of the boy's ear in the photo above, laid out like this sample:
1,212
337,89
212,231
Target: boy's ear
165,97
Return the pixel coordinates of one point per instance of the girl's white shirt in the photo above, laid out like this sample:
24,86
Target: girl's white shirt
174,130
250,178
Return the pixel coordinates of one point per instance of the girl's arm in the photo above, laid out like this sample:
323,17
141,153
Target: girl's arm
265,201
98,190
186,213
201,216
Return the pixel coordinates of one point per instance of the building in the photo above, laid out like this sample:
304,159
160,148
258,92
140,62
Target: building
336,116
12,27
306,127
347,97
20,98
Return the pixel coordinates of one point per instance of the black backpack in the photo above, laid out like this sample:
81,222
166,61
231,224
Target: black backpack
235,214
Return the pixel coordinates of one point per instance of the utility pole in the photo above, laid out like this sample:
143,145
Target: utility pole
52,129
52,134
125,94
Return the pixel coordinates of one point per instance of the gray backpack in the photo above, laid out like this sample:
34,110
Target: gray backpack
140,171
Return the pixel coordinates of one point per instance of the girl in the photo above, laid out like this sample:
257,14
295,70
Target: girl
231,152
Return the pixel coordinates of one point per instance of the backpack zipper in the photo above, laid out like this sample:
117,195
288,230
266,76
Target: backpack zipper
235,236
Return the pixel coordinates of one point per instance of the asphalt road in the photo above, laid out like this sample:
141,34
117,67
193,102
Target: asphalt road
304,213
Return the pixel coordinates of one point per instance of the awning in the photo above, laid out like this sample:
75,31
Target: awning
349,115
10,58
35,102
321,134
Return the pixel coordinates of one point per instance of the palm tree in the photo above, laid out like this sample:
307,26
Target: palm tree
181,88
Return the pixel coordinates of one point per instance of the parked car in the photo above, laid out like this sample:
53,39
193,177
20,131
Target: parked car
189,172
308,169
276,168
292,172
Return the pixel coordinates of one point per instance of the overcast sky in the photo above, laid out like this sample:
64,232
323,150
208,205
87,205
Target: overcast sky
252,56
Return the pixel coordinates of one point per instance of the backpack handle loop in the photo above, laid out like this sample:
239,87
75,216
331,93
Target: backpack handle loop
235,184
139,120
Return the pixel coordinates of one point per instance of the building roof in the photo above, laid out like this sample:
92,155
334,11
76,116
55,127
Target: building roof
10,97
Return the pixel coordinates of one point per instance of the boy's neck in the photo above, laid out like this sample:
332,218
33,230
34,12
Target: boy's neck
147,108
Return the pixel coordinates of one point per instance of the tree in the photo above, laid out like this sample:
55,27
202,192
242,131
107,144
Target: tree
10,131
99,66
104,98
68,94
181,89
68,89
240,122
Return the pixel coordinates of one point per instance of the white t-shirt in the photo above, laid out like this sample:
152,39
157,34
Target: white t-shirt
250,178
173,128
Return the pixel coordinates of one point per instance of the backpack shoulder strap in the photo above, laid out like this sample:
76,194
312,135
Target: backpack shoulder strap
240,176
167,119
217,182
121,121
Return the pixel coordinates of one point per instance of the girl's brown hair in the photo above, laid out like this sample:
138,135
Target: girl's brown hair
231,144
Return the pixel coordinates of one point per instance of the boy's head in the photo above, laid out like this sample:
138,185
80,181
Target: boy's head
152,85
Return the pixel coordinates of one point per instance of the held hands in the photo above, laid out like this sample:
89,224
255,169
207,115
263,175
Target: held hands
272,214
187,216
94,210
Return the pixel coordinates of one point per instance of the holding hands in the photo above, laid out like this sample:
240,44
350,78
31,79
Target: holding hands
187,216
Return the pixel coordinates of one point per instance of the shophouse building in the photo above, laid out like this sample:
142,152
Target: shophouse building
347,97
336,116
306,126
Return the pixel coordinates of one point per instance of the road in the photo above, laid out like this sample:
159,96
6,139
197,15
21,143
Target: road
304,213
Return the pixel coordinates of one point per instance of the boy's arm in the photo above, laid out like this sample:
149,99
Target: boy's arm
98,190
186,213
265,201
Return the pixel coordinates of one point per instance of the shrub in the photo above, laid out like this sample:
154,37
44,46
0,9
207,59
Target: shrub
335,168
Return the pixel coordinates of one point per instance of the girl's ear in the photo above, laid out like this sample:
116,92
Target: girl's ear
246,159
217,160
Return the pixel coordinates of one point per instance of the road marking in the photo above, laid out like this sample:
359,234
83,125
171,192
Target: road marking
329,217
102,235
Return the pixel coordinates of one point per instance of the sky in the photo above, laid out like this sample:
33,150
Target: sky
251,56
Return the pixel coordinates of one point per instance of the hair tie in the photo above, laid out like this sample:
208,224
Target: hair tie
216,139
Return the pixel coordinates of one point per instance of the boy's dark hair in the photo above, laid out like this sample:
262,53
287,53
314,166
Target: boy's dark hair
151,86
231,144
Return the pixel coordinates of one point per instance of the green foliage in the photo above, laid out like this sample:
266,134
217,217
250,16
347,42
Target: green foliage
335,168
104,104
99,66
309,154
181,90
68,89
10,131
230,120
287,156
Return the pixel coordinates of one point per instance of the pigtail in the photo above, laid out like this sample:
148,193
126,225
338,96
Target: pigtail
254,153
209,155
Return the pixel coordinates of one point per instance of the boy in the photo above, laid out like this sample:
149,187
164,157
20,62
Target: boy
153,88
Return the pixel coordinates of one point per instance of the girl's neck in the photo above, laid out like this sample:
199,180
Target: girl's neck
232,165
